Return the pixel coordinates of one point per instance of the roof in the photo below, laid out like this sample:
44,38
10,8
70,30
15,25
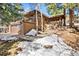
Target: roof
32,12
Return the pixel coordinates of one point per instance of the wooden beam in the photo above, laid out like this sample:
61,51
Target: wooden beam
36,21
42,25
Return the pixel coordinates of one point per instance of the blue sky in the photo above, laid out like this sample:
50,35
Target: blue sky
28,7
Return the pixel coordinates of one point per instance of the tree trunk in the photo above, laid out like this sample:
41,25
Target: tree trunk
36,22
64,17
71,17
41,21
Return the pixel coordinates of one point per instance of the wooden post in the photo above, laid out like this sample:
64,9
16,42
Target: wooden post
36,21
42,22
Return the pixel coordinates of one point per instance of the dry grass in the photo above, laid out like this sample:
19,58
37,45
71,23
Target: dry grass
71,39
8,48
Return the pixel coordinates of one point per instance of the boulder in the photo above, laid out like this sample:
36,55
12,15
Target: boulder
48,46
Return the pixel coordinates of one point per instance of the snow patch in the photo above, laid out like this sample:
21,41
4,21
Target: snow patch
32,32
8,37
36,48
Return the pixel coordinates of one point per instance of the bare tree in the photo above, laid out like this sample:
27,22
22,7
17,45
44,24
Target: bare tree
37,6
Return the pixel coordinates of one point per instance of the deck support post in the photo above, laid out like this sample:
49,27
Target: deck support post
42,22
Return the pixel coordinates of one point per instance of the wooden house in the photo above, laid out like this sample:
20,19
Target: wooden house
29,21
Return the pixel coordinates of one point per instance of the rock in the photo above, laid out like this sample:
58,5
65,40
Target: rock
19,49
48,46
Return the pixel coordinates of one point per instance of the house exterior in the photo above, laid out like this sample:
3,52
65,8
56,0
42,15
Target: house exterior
29,21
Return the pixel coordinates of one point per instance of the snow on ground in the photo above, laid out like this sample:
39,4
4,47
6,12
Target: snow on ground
36,48
32,32
7,37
